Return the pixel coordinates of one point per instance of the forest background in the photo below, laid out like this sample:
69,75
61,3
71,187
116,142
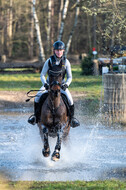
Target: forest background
29,28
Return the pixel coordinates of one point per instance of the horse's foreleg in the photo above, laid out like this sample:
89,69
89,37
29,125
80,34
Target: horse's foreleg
46,149
56,153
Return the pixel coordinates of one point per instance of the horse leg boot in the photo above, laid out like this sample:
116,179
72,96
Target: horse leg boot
33,119
56,153
74,122
46,149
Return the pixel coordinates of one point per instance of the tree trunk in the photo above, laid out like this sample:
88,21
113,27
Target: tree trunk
52,24
113,23
94,26
65,9
9,28
41,50
74,26
49,26
60,14
31,36
89,31
2,29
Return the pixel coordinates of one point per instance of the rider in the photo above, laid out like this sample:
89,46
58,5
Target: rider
58,56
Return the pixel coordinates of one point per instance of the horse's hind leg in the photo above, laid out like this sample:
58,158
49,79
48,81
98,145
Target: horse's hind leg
56,153
46,149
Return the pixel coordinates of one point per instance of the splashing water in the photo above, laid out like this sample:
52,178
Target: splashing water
92,151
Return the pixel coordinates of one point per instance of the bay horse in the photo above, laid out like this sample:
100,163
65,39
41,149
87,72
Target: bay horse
54,120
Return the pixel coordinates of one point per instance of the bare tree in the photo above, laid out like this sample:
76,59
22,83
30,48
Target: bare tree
65,9
2,29
74,26
49,25
9,28
60,14
31,33
52,22
88,30
41,50
113,23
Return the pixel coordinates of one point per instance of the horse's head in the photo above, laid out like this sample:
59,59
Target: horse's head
55,88
55,80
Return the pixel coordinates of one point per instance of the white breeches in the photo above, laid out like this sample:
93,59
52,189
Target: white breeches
43,90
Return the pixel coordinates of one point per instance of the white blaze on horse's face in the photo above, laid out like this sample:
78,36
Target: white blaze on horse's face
59,52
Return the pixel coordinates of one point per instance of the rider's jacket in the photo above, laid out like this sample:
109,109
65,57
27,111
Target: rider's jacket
53,63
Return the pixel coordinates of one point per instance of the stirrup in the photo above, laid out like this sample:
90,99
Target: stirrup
32,119
74,122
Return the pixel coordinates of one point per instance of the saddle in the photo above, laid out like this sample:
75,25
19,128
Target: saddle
64,98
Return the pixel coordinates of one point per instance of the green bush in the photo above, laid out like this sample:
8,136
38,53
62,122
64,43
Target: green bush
87,65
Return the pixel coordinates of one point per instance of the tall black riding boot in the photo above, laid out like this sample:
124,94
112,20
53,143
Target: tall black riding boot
74,121
33,119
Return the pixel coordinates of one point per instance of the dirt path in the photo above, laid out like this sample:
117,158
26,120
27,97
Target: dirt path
13,99
16,99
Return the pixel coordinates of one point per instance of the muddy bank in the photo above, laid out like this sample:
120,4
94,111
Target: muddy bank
17,99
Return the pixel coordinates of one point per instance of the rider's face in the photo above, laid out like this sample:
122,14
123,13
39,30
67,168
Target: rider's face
59,52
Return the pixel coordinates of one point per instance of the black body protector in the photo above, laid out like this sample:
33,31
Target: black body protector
56,68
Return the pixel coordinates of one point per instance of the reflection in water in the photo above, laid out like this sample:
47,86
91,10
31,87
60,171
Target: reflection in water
92,152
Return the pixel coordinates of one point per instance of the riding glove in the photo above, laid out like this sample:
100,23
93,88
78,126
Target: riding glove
64,86
46,85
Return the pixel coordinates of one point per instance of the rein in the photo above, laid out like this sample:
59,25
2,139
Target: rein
52,108
30,96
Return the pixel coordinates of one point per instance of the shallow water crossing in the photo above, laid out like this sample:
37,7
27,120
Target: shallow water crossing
93,151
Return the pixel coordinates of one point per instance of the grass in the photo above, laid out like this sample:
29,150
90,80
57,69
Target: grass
91,85
75,185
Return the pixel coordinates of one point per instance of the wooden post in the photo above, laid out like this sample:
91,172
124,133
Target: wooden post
115,97
96,67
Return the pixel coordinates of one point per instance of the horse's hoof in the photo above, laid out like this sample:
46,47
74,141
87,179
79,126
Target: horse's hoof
55,156
45,153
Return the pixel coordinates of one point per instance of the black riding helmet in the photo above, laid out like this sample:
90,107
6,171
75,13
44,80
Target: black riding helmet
58,45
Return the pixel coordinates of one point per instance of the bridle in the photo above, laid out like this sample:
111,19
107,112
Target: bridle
54,92
54,82
57,91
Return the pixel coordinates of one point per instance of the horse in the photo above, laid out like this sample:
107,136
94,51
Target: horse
54,119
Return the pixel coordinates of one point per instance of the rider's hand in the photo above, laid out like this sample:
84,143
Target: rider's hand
64,86
46,85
